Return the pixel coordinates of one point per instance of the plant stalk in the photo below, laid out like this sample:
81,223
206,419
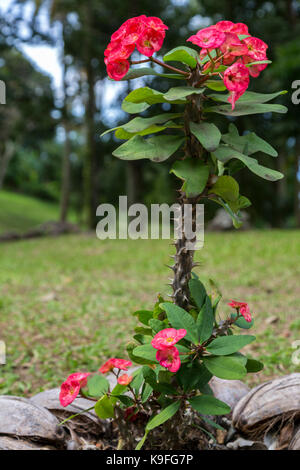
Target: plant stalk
184,256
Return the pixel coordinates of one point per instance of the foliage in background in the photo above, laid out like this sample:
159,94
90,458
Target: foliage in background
278,22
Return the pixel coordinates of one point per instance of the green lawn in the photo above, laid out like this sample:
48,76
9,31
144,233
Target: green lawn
19,213
66,303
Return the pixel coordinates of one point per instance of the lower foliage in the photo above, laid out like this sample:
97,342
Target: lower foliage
167,399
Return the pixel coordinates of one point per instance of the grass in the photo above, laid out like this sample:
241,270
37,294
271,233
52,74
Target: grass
66,303
19,213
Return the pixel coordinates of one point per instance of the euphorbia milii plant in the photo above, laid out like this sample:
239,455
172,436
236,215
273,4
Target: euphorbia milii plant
181,344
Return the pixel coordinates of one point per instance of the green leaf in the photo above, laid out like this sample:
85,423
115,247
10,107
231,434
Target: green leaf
155,148
144,316
253,366
212,423
134,108
142,441
247,144
146,392
181,92
146,351
117,391
243,109
237,222
124,399
198,292
226,187
192,376
250,97
179,318
163,416
225,345
150,378
204,377
149,96
228,367
143,331
130,347
104,408
97,386
207,133
205,321
182,54
143,71
216,85
138,379
194,173
225,153
208,405
242,323
139,124
157,325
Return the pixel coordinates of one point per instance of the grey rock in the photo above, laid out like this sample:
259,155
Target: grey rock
19,417
228,391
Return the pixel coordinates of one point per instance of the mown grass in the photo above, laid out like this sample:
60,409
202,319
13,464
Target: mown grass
19,213
66,303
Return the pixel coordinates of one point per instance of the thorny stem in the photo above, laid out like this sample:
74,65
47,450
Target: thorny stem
184,256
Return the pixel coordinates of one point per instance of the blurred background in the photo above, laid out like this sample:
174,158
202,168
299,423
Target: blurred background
66,302
59,100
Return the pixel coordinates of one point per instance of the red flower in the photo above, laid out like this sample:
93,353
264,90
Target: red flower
239,28
254,70
236,80
242,308
233,46
169,358
230,27
117,50
112,363
71,387
225,26
125,379
146,33
208,38
154,23
256,48
150,41
167,338
134,27
131,414
117,69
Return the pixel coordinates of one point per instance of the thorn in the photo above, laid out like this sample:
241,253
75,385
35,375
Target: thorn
170,267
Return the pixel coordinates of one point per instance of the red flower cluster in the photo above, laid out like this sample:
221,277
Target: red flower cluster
242,309
236,53
71,387
146,33
167,354
113,363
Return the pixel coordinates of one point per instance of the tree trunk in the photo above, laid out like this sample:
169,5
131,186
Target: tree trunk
4,160
297,184
66,177
66,164
90,167
184,256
